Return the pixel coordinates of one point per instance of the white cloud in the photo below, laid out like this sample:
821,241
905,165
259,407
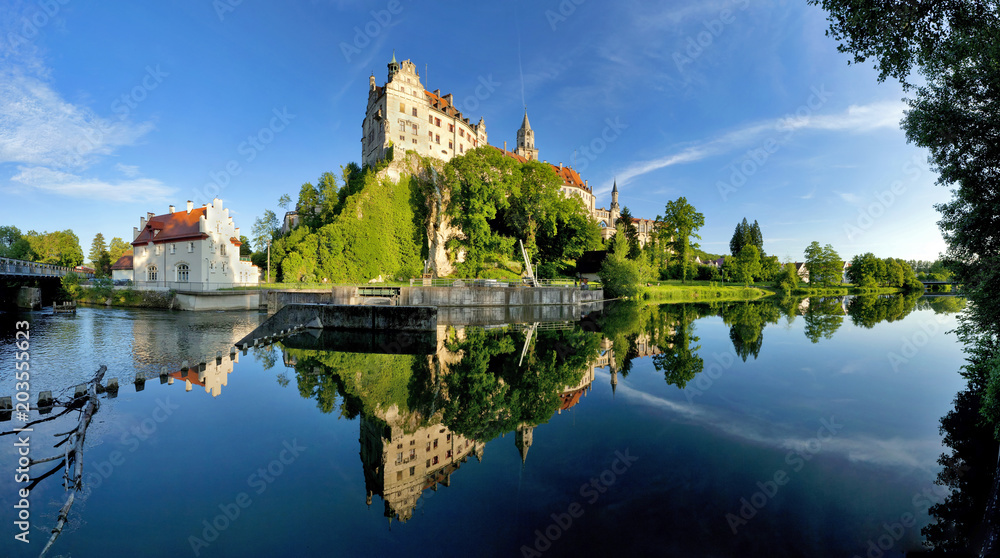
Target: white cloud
130,171
857,118
38,127
58,182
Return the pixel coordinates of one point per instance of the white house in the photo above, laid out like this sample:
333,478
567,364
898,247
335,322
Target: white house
192,250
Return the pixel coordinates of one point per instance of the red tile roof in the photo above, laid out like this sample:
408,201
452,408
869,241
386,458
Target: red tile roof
569,176
180,225
236,242
124,262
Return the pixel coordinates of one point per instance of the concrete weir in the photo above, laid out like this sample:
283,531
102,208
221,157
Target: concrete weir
293,318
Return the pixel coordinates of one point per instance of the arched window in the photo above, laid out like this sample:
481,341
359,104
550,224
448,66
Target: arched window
603,224
151,273
182,273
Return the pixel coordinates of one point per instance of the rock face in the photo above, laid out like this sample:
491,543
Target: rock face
439,227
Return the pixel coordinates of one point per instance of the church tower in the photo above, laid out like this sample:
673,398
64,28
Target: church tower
526,140
615,211
522,438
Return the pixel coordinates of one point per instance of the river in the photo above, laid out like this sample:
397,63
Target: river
739,429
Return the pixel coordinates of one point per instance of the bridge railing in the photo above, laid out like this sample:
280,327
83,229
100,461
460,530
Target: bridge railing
24,268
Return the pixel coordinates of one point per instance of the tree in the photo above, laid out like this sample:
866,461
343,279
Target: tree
746,265
97,247
14,245
58,247
264,229
621,276
245,249
741,238
308,206
756,237
631,233
328,198
823,263
117,249
788,278
679,223
284,201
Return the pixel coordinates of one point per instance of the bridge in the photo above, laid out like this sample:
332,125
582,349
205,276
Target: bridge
19,268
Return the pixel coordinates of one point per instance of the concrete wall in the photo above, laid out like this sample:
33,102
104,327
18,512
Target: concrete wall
29,298
333,316
496,296
444,296
219,300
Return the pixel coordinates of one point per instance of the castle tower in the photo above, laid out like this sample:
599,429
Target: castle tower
522,438
526,140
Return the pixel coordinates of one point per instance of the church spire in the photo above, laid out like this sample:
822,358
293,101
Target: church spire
526,140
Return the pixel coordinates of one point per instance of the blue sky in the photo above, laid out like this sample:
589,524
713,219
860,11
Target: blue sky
112,109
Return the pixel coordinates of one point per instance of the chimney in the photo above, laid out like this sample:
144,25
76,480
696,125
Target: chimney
560,165
135,233
505,147
437,92
190,206
149,215
173,209
448,98
142,222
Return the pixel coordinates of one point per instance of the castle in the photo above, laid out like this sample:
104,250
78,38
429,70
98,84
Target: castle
401,111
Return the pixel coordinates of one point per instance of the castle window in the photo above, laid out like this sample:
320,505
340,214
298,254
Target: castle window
430,135
451,145
182,273
437,138
151,273
430,118
413,454
399,475
190,247
402,138
173,248
461,148
437,121
399,458
413,471
414,111
461,133
402,107
435,460
451,127
415,129
222,249
414,141
402,126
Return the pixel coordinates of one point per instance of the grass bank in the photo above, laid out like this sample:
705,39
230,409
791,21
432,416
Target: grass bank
701,291
128,298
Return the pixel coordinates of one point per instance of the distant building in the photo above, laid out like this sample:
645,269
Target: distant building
121,270
802,271
191,250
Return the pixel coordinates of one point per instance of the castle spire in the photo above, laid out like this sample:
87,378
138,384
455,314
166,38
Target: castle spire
525,125
526,140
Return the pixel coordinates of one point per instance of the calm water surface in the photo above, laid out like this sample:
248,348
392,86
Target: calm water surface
735,430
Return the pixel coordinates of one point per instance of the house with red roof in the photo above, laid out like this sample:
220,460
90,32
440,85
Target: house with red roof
197,249
121,270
